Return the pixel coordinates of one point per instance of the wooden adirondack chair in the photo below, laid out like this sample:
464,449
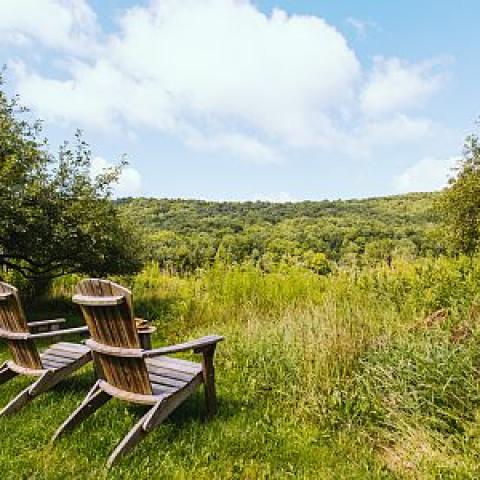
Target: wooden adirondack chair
50,366
127,372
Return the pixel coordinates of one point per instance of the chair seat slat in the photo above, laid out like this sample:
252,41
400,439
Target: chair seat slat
57,352
52,358
172,370
52,365
169,382
160,389
71,347
178,364
169,373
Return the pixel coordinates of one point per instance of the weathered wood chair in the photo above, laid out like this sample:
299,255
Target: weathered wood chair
51,366
127,372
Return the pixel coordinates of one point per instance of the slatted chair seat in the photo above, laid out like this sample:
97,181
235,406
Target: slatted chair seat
62,354
51,366
169,375
127,372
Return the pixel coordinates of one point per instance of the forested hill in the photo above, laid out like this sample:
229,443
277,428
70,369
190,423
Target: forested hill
190,233
205,216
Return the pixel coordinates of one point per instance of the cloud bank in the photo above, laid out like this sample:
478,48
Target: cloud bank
427,175
218,74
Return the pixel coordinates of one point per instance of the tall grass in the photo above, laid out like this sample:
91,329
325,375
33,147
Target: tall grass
356,361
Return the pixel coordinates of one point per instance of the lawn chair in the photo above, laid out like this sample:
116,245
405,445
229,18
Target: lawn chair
130,373
51,366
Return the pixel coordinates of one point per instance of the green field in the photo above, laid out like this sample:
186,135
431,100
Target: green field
339,376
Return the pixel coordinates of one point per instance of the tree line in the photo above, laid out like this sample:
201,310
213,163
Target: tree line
188,234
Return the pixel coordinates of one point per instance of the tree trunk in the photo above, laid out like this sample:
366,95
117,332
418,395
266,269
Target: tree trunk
39,288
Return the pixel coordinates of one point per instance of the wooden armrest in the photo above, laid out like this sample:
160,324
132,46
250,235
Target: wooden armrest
43,323
14,335
27,336
196,345
92,301
58,333
115,351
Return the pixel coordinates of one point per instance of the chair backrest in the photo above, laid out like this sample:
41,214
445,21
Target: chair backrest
111,322
12,320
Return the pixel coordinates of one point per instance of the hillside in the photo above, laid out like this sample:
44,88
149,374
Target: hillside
188,234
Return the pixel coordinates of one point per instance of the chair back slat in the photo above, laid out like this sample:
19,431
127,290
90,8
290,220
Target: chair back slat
112,323
12,319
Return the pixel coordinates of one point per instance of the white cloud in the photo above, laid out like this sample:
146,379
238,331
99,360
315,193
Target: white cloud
395,130
243,146
396,86
221,76
427,175
361,26
62,24
129,183
218,66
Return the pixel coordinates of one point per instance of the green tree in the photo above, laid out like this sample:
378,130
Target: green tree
54,217
460,202
316,261
379,251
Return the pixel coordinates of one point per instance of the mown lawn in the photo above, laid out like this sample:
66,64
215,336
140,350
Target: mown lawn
249,438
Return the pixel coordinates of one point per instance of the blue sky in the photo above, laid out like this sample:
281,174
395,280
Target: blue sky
231,99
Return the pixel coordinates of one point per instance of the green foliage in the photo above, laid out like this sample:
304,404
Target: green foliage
54,218
184,235
461,201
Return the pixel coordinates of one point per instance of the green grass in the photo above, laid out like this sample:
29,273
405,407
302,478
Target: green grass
319,377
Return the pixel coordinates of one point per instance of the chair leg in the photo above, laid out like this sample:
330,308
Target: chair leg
137,433
47,381
154,417
27,394
134,436
6,374
208,371
17,403
92,402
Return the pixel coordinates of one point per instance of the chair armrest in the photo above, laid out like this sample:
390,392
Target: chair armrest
197,346
8,335
58,333
114,351
44,323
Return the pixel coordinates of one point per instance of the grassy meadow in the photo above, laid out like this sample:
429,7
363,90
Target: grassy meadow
351,375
